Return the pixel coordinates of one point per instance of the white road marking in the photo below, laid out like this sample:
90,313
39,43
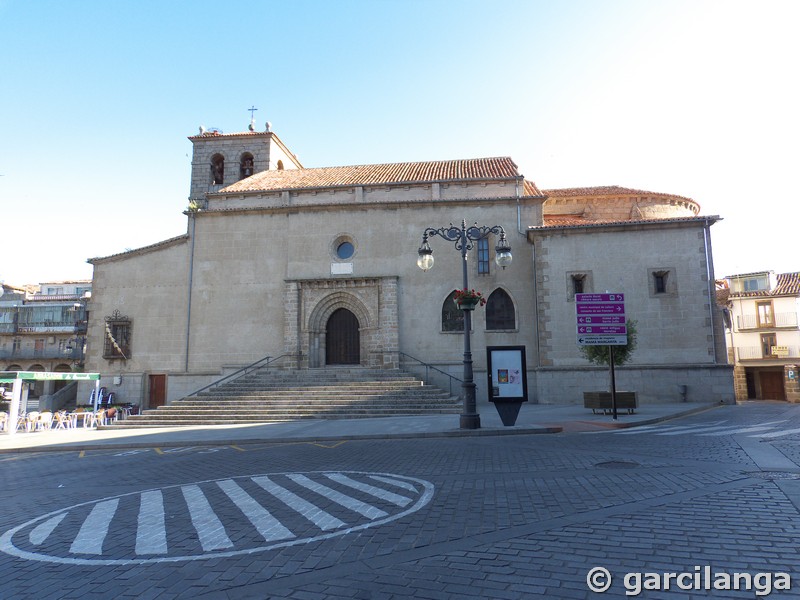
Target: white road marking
94,530
395,499
218,508
362,508
151,533
41,532
316,515
268,526
209,528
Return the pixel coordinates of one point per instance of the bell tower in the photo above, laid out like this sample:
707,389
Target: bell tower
221,159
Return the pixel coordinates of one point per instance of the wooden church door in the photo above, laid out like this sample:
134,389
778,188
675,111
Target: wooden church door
342,346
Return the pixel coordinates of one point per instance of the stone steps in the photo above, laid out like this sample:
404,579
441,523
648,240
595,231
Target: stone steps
275,396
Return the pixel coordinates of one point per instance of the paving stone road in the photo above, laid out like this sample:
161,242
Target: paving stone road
463,517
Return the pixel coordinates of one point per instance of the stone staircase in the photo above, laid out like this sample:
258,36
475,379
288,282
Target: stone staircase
272,395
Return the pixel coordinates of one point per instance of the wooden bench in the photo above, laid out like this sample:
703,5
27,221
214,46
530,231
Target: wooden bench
602,401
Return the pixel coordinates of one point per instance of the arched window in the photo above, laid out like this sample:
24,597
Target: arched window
217,169
280,165
500,311
452,316
245,165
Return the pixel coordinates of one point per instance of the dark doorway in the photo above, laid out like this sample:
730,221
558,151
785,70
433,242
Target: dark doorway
158,391
772,385
342,345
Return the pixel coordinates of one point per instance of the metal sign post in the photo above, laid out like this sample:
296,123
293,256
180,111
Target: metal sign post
601,322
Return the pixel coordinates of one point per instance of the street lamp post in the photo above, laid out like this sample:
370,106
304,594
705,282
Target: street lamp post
464,238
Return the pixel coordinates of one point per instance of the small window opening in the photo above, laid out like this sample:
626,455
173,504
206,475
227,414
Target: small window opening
578,284
483,256
660,282
246,165
217,169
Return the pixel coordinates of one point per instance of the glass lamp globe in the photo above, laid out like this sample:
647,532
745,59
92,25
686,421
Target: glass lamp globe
425,259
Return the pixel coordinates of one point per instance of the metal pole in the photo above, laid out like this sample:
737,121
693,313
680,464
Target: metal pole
470,419
613,383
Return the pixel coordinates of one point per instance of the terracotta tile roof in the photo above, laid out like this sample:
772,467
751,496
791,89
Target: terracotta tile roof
611,190
577,221
530,189
788,284
553,220
477,169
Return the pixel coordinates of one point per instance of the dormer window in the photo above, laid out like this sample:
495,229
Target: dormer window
246,165
217,169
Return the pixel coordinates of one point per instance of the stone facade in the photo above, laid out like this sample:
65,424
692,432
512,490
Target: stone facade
267,260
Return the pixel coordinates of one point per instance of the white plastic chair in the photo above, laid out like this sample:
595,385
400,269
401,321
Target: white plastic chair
31,419
45,422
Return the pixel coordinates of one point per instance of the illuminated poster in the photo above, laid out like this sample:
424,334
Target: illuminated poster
507,376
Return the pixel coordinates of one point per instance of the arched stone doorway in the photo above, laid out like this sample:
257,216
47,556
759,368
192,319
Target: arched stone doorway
342,339
369,317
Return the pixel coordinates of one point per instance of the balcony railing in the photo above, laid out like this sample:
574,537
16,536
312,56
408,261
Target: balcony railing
788,319
52,353
757,352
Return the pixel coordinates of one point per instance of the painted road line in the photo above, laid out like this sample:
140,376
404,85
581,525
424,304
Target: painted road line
209,528
664,428
699,430
362,508
752,429
41,532
395,499
396,482
93,532
151,532
268,526
775,434
313,513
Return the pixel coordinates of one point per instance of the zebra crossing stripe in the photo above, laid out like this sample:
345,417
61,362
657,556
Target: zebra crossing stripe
775,434
395,499
151,532
209,528
42,531
663,429
742,430
697,429
94,530
268,526
395,482
316,515
362,508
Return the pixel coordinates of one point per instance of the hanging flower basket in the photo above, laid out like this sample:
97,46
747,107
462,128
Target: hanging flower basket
468,299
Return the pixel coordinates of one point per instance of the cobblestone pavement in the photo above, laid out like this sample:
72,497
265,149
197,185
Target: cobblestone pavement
472,517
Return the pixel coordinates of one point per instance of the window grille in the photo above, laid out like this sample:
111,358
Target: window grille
117,342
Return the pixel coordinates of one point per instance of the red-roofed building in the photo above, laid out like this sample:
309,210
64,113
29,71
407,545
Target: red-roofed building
763,334
318,265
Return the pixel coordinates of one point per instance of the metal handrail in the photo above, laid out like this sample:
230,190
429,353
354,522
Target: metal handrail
240,372
429,366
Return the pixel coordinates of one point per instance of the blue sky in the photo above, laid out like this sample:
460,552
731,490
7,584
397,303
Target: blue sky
696,98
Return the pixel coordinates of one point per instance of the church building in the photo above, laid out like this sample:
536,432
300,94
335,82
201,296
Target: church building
317,267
